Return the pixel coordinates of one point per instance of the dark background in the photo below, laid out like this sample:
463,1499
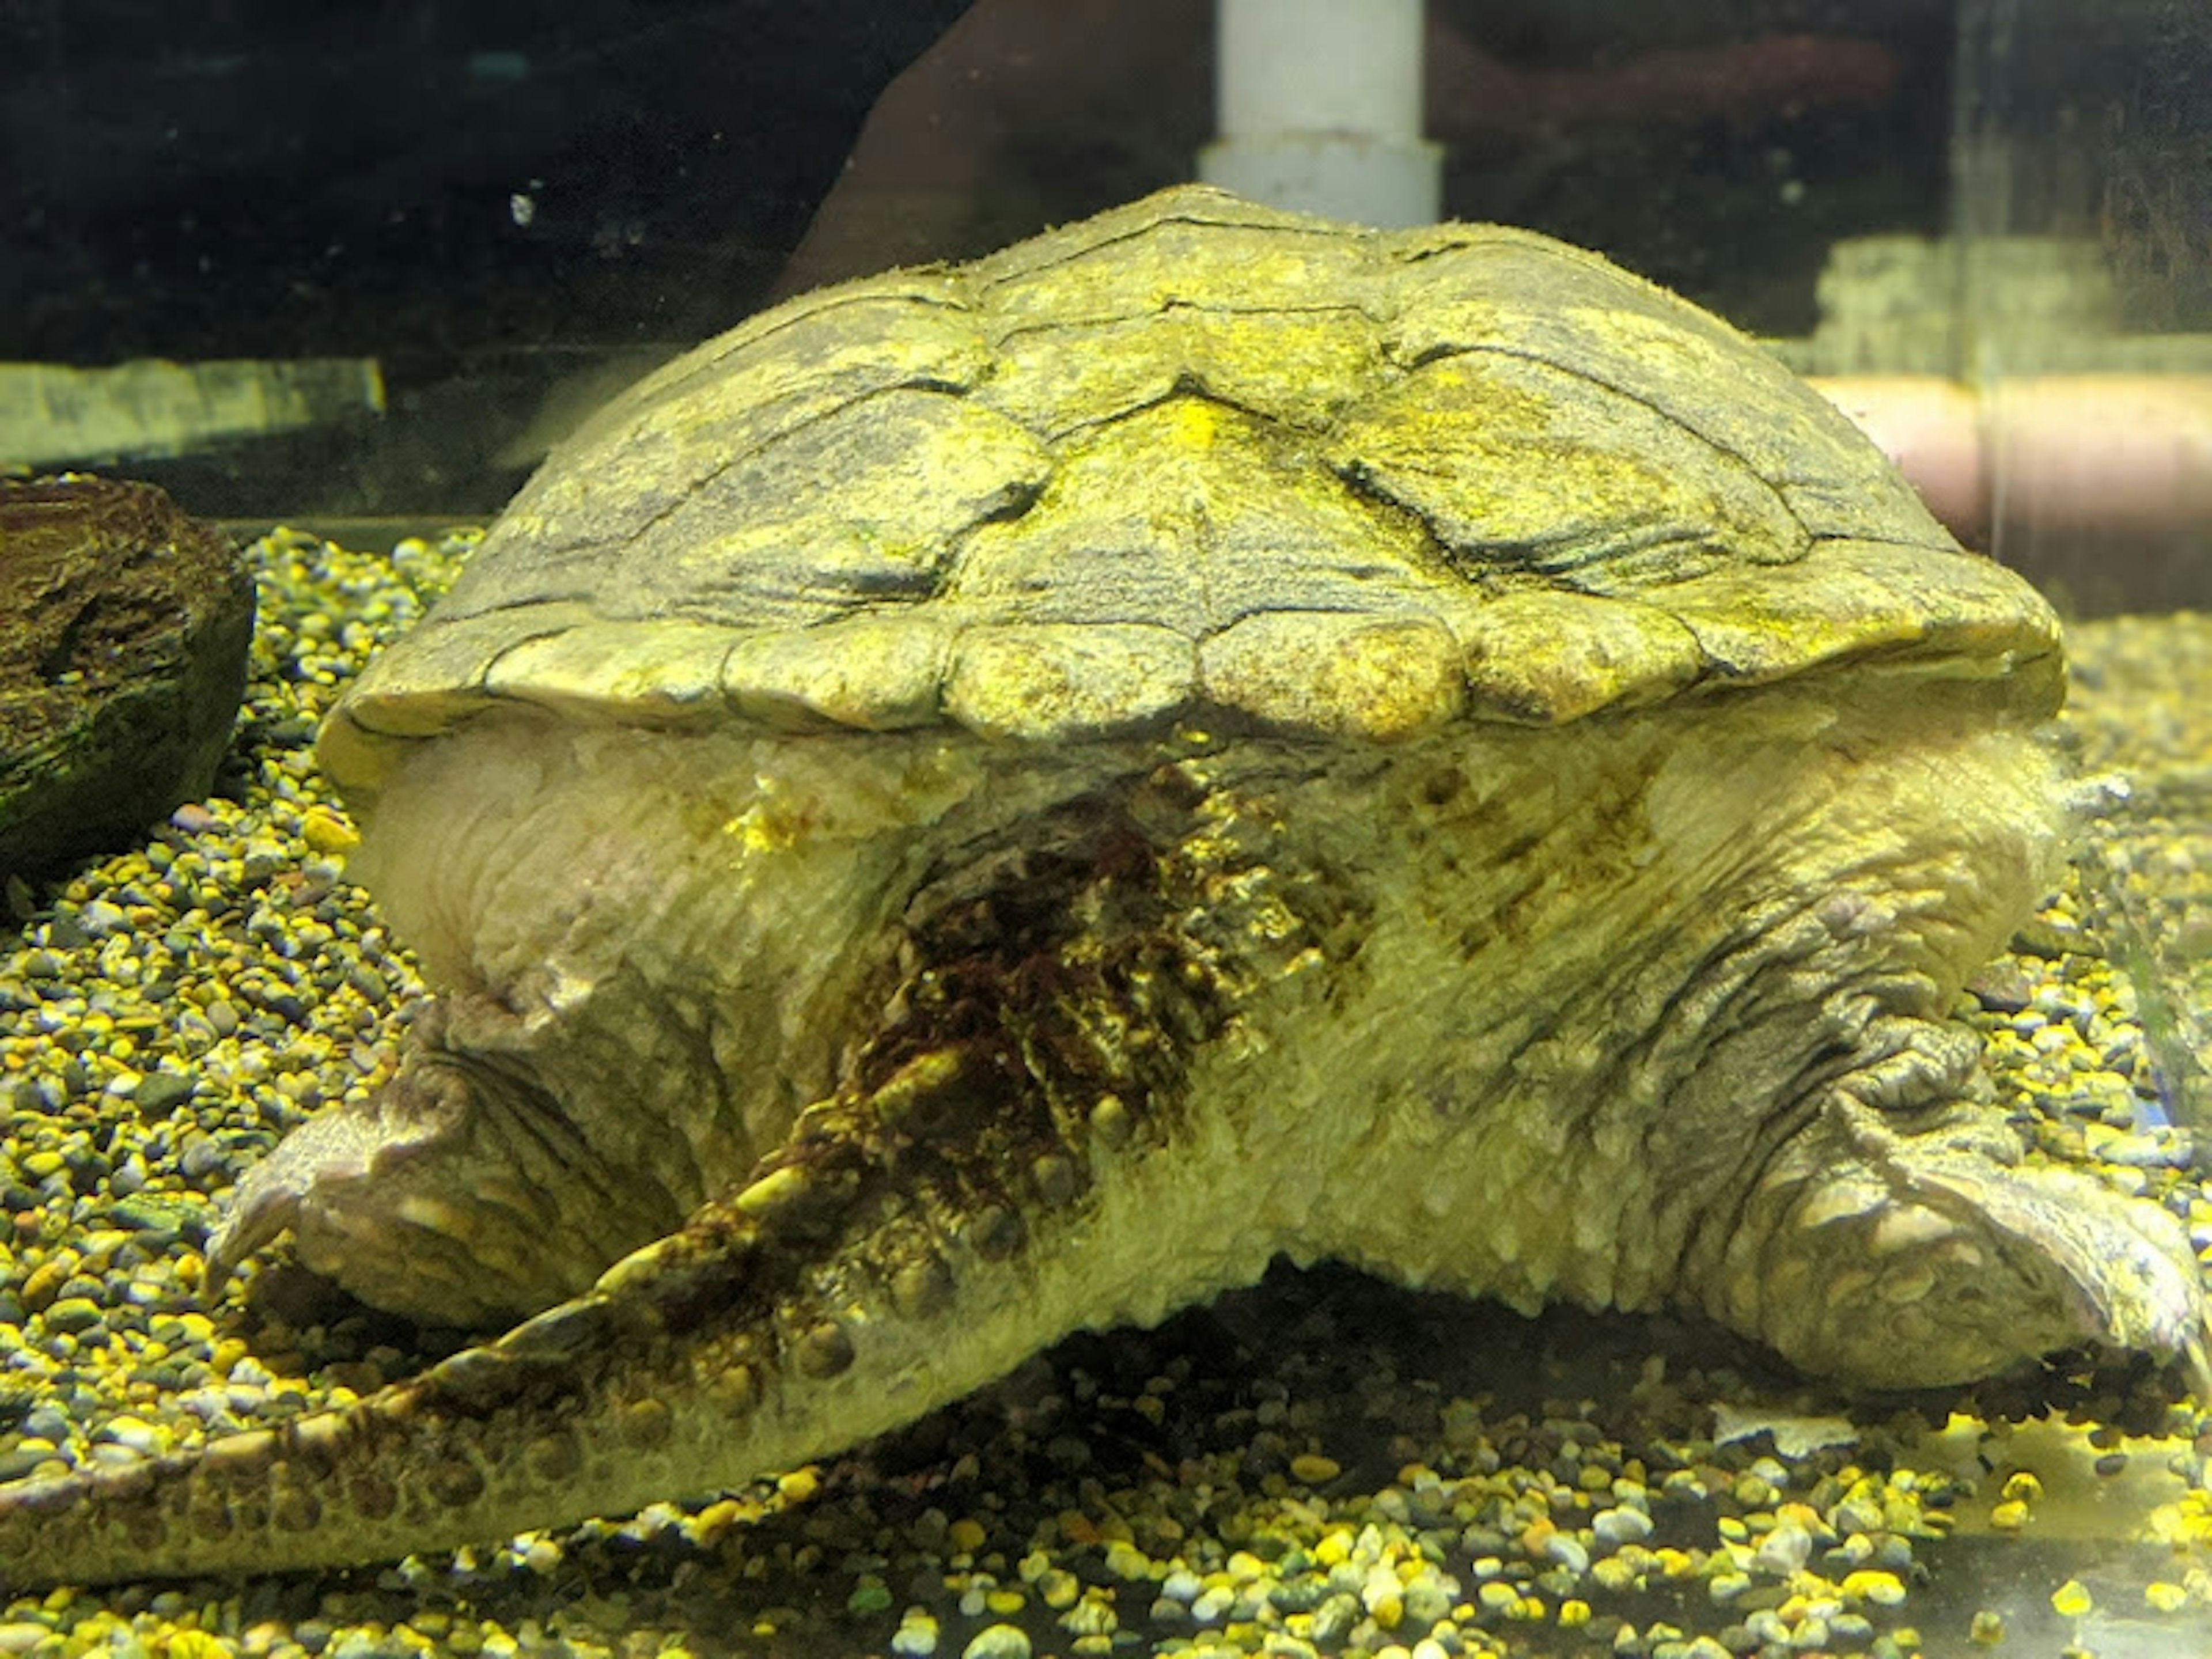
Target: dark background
280,179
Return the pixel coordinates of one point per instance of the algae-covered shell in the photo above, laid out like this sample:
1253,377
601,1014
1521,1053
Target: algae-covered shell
1197,458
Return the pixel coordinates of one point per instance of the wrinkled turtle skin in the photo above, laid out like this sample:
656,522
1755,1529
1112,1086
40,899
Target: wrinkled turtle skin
998,799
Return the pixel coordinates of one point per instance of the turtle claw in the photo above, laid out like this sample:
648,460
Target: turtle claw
1928,1264
448,1198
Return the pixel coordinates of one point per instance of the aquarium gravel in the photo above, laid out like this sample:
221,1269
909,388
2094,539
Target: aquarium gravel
1322,1466
2145,733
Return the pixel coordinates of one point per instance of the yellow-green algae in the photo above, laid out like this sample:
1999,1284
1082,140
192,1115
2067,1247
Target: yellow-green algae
1322,1466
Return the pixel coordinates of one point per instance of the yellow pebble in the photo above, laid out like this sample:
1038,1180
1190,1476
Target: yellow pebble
325,831
1884,1589
1614,1575
2023,1488
1314,1469
1334,1548
2164,1596
1573,1612
2009,1515
226,1356
966,1535
799,1484
2072,1599
1987,1628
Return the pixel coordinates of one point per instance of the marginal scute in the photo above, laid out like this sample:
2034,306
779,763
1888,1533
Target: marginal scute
439,680
1963,620
1380,679
666,673
865,672
427,691
1544,657
1041,682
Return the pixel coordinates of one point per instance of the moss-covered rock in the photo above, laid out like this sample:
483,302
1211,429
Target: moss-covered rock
123,627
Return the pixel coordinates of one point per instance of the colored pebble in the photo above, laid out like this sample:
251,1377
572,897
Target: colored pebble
1616,1527
1884,1589
195,997
916,1636
1783,1551
998,1642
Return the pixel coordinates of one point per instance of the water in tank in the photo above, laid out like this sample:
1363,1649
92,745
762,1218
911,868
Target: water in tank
786,876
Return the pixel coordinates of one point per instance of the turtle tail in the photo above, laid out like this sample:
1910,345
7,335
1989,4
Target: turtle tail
803,1315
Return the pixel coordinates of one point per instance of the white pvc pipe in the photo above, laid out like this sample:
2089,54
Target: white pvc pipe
1319,106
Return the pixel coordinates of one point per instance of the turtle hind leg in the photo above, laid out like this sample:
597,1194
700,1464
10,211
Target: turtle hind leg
1894,1244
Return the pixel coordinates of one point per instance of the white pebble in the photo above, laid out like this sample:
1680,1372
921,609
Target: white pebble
1783,1551
1620,1526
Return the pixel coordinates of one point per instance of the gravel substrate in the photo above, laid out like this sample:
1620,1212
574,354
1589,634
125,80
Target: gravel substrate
1322,1466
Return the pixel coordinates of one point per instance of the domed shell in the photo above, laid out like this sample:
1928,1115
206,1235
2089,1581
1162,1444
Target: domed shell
1196,459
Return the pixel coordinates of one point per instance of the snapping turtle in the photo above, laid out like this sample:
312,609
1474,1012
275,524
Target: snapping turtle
996,799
